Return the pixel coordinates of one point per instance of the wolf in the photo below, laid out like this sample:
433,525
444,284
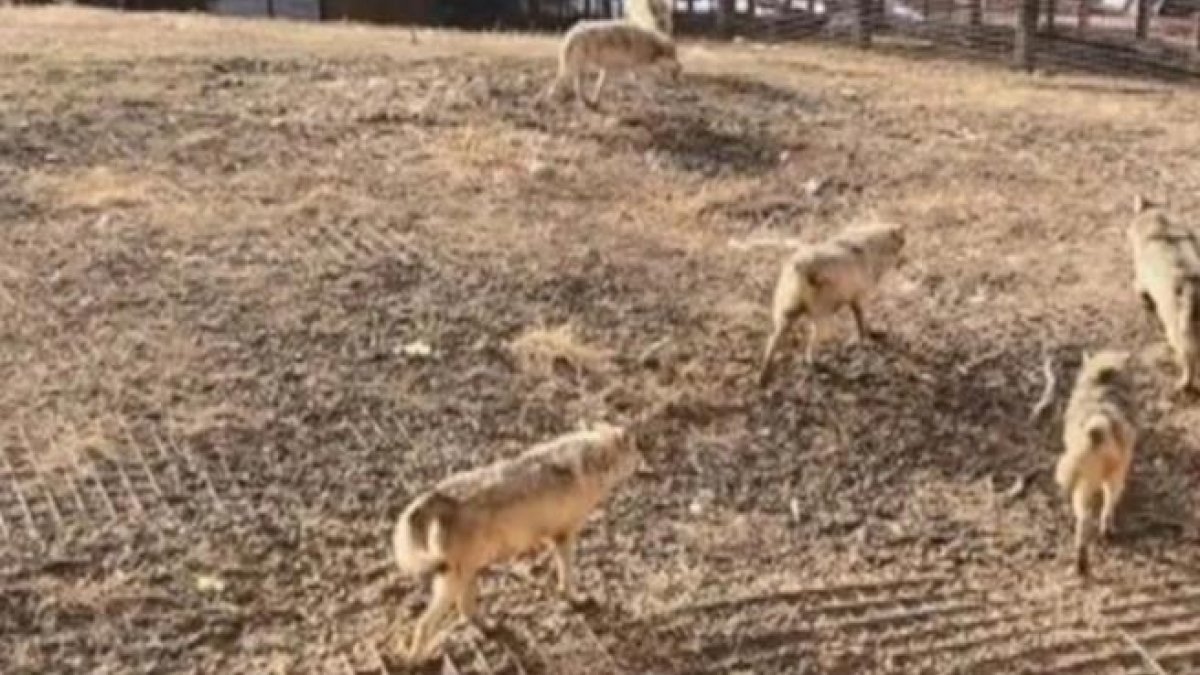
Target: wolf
817,280
493,513
656,14
1098,439
1166,263
610,45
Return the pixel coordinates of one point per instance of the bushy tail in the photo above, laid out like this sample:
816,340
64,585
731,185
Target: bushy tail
1099,429
419,539
554,91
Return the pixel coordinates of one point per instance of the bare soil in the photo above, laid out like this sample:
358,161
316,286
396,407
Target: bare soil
262,282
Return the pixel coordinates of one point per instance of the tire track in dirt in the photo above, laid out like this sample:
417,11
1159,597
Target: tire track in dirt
815,628
1055,634
156,479
923,625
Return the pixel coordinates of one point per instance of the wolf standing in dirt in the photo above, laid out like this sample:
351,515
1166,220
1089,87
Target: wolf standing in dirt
486,515
820,279
610,46
1166,262
1098,435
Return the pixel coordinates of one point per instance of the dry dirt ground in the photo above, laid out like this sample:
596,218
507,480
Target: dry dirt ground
225,247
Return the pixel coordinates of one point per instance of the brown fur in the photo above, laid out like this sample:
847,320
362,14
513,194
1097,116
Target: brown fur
1098,437
654,14
820,279
1166,261
496,512
610,46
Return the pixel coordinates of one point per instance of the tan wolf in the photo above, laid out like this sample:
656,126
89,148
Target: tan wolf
496,512
1098,439
1166,263
819,279
656,14
606,46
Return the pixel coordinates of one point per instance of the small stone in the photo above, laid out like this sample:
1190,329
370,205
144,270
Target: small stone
207,583
416,349
814,186
540,170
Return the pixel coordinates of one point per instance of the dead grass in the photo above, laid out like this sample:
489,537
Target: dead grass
68,447
304,271
541,351
100,188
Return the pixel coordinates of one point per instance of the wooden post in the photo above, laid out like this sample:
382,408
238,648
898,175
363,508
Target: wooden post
863,20
271,9
1142,26
976,13
725,10
1051,15
1196,33
1083,15
1026,27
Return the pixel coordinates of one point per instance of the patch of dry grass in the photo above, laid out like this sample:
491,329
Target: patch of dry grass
541,351
101,188
69,446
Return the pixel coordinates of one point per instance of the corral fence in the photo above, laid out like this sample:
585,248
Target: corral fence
1160,38
1148,37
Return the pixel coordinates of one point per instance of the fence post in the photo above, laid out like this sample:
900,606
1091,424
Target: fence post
1196,33
1026,26
862,22
976,13
1083,14
1142,28
725,10
1051,16
271,9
